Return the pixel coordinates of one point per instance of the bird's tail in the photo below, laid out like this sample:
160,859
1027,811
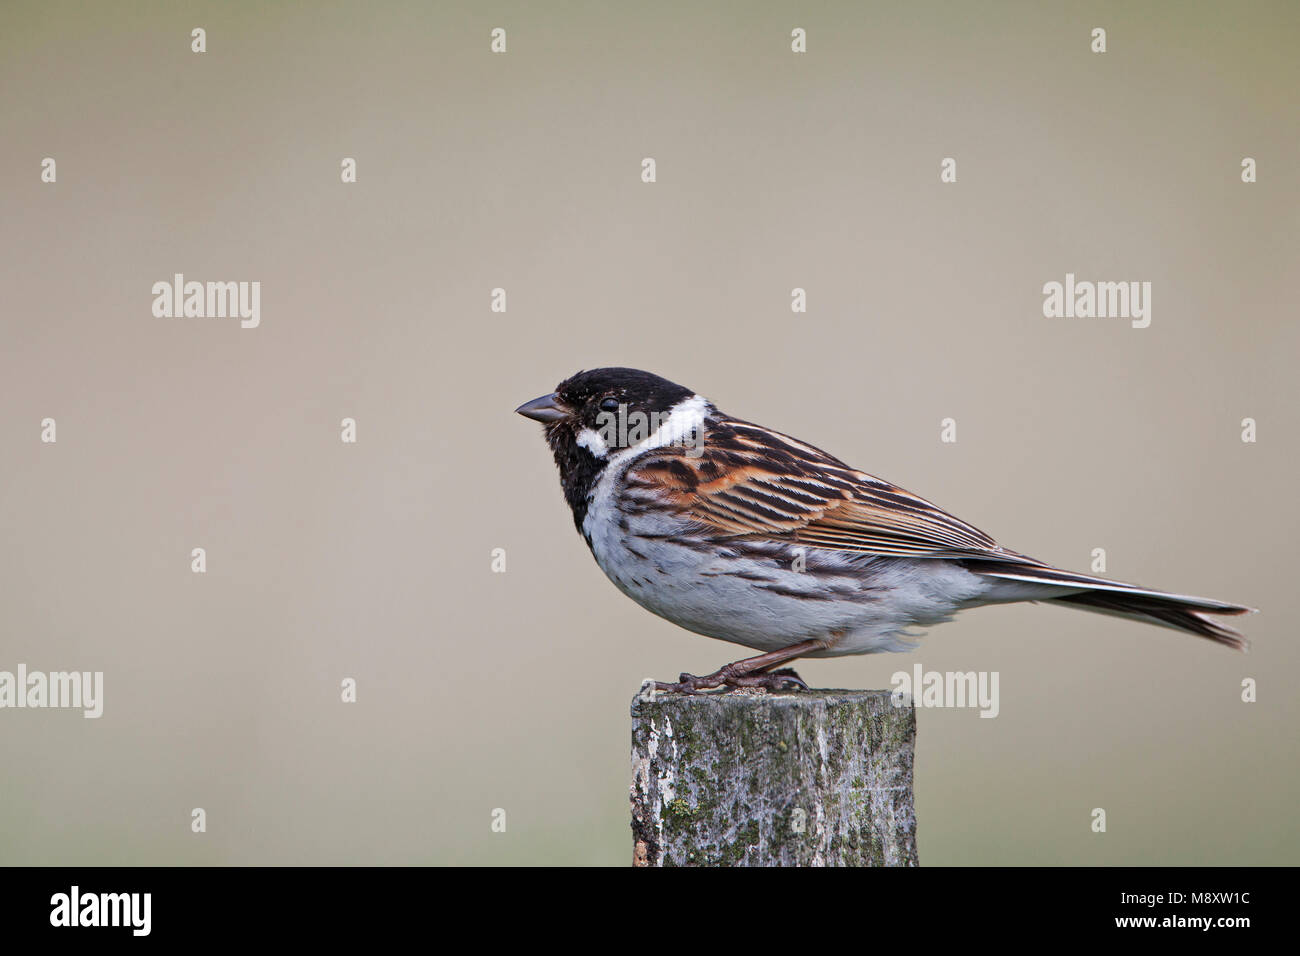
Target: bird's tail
1179,611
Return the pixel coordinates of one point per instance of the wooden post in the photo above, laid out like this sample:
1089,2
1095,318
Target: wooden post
749,778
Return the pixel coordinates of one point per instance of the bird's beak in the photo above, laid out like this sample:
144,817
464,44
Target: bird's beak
546,409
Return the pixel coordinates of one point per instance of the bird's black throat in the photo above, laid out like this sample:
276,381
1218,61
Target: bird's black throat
578,468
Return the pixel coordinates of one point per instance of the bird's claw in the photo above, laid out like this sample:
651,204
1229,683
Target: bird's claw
782,680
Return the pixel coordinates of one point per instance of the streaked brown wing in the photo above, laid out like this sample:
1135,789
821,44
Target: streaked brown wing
750,481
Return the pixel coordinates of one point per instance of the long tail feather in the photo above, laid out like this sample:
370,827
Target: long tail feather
1182,612
1168,612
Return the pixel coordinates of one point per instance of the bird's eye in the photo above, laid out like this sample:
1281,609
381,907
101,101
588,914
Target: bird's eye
609,404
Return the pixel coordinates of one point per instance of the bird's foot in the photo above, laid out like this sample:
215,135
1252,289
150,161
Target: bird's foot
784,679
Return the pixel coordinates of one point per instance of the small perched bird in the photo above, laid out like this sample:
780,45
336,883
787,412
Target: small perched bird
744,534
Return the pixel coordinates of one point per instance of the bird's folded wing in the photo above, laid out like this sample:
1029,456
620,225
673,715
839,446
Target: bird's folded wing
763,484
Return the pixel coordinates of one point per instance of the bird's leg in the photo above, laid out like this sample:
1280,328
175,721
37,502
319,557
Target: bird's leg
750,672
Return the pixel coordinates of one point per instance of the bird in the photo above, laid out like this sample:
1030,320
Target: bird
741,533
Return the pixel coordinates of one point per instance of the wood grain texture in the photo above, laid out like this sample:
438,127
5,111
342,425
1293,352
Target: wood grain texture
819,778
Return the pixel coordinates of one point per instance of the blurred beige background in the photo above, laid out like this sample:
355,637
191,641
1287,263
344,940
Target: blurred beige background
479,690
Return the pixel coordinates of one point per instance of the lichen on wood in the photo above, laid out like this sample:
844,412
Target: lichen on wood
750,778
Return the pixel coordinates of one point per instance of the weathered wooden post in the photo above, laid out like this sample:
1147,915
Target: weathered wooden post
750,778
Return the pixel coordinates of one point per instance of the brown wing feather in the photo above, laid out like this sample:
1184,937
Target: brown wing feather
749,481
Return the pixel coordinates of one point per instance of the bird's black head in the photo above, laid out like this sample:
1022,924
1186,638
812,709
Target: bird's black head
595,414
